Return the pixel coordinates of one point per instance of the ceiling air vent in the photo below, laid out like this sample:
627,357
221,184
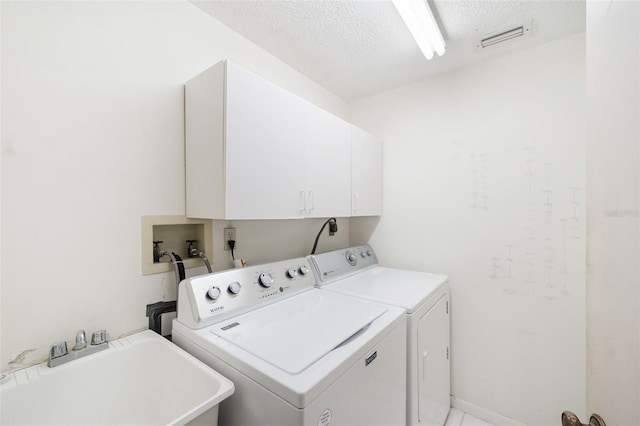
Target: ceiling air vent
502,36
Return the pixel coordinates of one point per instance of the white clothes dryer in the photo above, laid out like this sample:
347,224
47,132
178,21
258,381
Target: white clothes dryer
355,271
297,355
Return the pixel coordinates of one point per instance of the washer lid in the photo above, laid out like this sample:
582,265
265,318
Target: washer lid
294,333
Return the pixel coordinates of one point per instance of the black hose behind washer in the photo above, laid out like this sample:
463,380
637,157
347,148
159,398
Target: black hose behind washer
180,266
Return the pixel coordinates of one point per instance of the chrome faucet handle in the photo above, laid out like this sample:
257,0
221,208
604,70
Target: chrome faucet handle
99,337
58,350
58,353
81,341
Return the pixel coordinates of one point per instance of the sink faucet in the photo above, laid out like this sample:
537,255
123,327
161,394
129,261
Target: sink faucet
59,354
81,340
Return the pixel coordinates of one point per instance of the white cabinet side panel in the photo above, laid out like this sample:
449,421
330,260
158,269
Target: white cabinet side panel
204,144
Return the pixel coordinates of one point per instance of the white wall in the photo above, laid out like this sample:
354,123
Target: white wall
92,139
613,284
484,180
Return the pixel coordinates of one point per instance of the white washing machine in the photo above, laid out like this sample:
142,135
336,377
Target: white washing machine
355,271
297,355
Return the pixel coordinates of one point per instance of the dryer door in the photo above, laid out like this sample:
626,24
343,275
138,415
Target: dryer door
433,364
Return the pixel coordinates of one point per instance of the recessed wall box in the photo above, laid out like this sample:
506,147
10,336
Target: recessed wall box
174,231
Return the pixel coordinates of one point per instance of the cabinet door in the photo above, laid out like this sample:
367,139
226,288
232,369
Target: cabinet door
265,155
433,364
366,173
328,159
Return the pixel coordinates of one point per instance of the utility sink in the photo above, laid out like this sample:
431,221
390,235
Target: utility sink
142,379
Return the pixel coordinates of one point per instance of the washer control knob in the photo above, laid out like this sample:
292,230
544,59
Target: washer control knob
369,252
213,293
303,270
362,255
351,258
265,279
234,287
292,273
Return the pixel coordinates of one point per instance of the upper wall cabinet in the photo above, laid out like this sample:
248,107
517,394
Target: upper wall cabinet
257,151
366,173
327,164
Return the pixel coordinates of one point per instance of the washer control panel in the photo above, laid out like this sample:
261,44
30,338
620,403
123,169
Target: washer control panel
207,299
338,264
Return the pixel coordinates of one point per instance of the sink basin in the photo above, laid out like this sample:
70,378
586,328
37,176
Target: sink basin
142,379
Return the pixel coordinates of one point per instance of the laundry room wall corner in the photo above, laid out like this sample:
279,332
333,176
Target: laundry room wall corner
92,140
484,181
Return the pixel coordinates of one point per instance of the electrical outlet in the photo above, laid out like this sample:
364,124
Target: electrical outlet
229,234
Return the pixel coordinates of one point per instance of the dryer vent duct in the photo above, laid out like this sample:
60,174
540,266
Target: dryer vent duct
501,37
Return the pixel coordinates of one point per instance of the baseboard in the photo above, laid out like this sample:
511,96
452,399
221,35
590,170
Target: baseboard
483,413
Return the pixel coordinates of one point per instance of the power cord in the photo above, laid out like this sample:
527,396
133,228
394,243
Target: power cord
232,245
333,228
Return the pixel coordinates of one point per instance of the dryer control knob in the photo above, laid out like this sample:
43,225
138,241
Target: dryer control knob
213,293
292,273
303,270
265,279
234,287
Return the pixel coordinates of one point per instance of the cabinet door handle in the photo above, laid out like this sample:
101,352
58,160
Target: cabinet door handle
302,201
312,199
424,365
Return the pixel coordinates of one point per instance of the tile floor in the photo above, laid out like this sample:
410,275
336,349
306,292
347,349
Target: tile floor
460,418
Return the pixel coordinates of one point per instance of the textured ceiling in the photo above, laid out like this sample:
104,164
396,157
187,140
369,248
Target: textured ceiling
358,48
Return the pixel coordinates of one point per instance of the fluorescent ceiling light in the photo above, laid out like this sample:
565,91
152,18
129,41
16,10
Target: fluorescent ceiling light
418,17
